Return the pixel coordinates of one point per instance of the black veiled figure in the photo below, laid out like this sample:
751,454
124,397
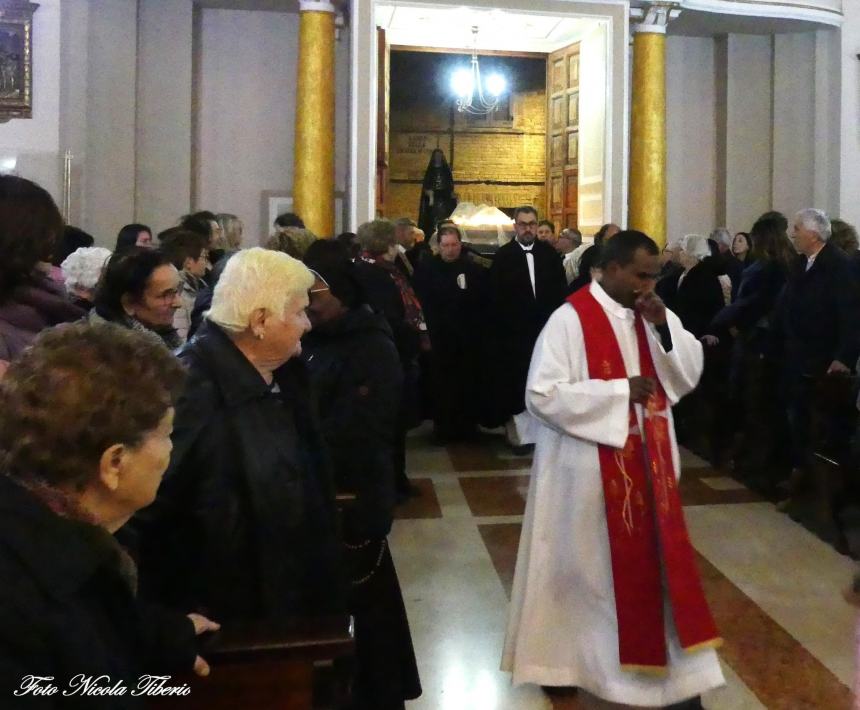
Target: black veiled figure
437,193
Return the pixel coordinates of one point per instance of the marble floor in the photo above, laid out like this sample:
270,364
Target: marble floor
774,588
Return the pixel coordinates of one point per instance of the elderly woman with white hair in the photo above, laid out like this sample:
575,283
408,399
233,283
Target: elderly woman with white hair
243,524
699,298
82,270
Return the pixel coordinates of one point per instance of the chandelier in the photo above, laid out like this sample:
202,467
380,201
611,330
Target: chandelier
472,94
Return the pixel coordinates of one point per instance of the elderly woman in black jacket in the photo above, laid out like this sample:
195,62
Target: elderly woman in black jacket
243,525
79,454
699,297
356,375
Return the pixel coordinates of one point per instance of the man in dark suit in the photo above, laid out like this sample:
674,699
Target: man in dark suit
819,320
526,284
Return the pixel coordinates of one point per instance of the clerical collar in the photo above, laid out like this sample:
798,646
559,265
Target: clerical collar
609,303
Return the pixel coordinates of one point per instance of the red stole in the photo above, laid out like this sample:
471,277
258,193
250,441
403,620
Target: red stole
648,538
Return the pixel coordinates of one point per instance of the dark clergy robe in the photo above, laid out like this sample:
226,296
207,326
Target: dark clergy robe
453,295
517,316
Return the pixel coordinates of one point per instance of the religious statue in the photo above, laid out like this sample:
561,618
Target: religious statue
437,193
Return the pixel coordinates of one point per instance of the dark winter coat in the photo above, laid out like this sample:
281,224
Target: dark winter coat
356,377
518,315
819,313
751,312
243,525
67,607
383,295
29,310
699,298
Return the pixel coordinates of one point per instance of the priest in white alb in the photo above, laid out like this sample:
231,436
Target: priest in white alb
607,595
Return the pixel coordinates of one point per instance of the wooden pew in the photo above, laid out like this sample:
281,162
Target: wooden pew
822,495
298,666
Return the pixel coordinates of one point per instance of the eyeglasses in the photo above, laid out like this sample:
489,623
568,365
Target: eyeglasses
321,289
527,224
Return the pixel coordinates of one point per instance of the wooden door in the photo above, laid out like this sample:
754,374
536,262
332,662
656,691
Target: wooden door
382,111
562,136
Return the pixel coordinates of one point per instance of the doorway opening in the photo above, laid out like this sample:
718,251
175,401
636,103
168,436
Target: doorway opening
545,145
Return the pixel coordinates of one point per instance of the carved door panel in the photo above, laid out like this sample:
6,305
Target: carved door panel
562,136
382,113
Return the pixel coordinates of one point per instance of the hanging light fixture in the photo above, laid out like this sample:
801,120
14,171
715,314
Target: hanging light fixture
473,95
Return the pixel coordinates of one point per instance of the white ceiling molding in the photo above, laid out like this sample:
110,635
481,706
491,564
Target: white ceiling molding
828,12
448,27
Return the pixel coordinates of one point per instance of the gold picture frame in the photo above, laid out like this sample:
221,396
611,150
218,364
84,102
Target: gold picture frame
16,59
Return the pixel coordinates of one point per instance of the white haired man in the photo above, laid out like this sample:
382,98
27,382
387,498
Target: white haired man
819,319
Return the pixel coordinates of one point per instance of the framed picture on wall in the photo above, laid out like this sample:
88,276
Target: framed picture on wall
16,59
275,203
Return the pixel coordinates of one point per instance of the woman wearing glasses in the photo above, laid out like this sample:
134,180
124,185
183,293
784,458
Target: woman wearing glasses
140,290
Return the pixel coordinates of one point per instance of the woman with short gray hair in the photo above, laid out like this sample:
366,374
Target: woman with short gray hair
244,520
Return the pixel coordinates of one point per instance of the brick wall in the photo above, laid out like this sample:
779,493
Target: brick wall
497,163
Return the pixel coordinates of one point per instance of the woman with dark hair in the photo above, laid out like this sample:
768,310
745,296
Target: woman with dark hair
742,249
70,241
753,377
85,421
844,236
437,193
140,290
30,300
356,376
133,235
288,219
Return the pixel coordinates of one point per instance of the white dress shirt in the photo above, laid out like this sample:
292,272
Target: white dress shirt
530,260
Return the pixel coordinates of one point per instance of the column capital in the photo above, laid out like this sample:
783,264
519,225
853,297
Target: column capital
654,17
317,6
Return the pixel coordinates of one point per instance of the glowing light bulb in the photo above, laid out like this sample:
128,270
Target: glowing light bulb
496,85
461,82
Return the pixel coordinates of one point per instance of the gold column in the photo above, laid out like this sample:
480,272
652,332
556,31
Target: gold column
647,202
313,154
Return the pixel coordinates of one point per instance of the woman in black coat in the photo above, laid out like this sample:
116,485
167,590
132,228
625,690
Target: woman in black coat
356,377
759,456
82,452
244,522
701,416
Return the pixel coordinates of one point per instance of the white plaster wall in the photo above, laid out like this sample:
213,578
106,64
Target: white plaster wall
592,130
247,112
827,100
110,100
794,122
34,144
74,58
850,129
163,166
748,140
691,136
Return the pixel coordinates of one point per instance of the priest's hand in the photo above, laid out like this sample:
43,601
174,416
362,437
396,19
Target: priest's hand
641,389
652,308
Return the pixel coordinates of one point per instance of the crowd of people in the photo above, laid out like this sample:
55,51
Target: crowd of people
201,402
